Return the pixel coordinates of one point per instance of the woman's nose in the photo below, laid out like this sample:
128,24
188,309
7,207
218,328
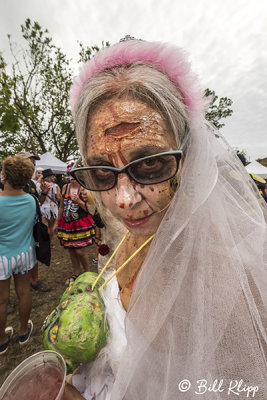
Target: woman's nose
126,194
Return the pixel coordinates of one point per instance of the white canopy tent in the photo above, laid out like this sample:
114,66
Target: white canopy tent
47,160
256,168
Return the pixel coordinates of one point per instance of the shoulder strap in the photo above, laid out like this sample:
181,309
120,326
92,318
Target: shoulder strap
32,184
53,195
38,211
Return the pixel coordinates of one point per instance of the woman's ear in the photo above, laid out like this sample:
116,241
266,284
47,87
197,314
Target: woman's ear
3,176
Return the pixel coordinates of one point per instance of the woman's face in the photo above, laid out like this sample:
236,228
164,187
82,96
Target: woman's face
71,179
121,131
49,179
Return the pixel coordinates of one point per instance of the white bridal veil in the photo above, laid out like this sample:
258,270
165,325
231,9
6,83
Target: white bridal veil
197,321
198,311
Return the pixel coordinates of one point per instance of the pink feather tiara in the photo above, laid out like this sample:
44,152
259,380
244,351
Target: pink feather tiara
170,60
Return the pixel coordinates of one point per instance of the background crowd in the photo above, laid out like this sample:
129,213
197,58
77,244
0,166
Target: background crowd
64,212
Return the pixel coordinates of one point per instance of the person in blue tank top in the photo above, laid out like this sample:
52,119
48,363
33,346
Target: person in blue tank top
17,245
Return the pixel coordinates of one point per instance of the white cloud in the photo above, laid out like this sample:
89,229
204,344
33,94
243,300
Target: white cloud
226,39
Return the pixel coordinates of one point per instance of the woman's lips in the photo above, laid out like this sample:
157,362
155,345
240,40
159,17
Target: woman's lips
134,223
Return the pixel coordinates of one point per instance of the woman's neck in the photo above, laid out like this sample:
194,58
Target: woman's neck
127,276
11,191
74,185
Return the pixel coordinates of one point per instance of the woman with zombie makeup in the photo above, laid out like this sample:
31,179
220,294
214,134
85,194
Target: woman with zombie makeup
37,176
76,229
195,295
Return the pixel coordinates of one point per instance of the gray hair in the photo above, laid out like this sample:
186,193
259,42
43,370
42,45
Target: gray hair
139,81
38,169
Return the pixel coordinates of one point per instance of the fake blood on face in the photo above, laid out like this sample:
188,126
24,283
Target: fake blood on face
118,131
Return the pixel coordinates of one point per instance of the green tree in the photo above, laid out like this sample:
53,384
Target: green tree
37,90
34,106
218,109
242,155
9,122
86,53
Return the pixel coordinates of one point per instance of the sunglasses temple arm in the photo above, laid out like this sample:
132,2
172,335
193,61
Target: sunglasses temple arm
184,143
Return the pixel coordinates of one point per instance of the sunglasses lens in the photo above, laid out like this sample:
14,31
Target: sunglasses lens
151,170
154,169
96,179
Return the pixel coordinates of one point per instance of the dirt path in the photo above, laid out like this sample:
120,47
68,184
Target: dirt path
42,305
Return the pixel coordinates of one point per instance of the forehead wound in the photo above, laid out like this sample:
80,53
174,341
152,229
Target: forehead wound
123,129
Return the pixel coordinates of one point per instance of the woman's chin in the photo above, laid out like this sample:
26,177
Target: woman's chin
141,232
142,227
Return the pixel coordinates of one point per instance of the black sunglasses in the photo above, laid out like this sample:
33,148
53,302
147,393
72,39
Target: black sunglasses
147,170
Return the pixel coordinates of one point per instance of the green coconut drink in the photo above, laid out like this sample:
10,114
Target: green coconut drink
77,328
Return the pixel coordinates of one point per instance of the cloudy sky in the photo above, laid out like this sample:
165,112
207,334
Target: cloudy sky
226,40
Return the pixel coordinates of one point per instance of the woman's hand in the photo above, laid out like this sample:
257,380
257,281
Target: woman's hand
45,186
71,393
84,194
76,198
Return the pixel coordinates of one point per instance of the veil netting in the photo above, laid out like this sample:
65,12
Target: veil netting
198,311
